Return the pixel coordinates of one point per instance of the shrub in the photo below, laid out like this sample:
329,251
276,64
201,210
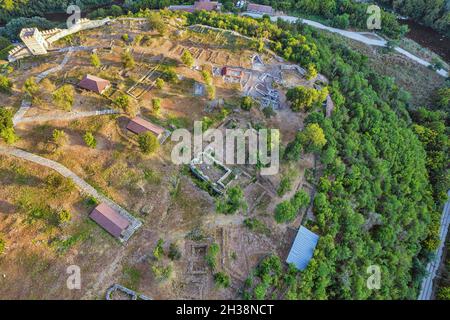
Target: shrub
211,91
156,22
7,132
59,138
30,86
160,83
95,60
5,84
158,251
246,103
207,77
161,272
268,112
89,139
287,211
64,217
222,280
211,255
233,201
128,60
187,59
156,105
2,244
148,143
174,252
64,97
285,185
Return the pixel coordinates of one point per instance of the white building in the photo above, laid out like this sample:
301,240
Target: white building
34,41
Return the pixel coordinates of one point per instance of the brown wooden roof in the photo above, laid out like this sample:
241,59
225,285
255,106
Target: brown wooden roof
260,8
109,219
93,83
139,125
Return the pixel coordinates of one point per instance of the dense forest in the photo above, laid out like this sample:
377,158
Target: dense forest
384,166
375,203
340,14
30,8
434,14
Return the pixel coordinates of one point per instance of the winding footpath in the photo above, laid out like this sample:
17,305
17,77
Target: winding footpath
82,185
426,291
374,40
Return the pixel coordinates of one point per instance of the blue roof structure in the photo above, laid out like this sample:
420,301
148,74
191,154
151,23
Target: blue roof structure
303,248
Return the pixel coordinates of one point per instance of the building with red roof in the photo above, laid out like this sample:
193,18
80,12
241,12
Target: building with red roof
139,125
93,83
110,220
259,8
198,6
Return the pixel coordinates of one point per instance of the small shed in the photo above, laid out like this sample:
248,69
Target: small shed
93,83
303,248
110,220
139,125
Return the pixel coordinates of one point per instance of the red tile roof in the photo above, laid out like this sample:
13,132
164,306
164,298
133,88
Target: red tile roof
139,125
94,83
206,5
260,8
109,219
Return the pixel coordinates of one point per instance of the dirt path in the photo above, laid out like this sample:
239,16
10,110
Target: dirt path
426,292
80,183
68,116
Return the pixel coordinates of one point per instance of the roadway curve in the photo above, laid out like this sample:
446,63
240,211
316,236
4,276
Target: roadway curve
426,291
357,36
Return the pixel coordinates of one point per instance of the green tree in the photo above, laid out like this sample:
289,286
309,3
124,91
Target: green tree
156,22
128,60
7,132
148,143
187,58
233,201
125,104
303,98
246,103
160,83
313,138
90,140
222,280
311,72
5,84
95,60
156,105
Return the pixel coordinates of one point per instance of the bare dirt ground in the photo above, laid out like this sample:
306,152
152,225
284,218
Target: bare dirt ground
164,196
